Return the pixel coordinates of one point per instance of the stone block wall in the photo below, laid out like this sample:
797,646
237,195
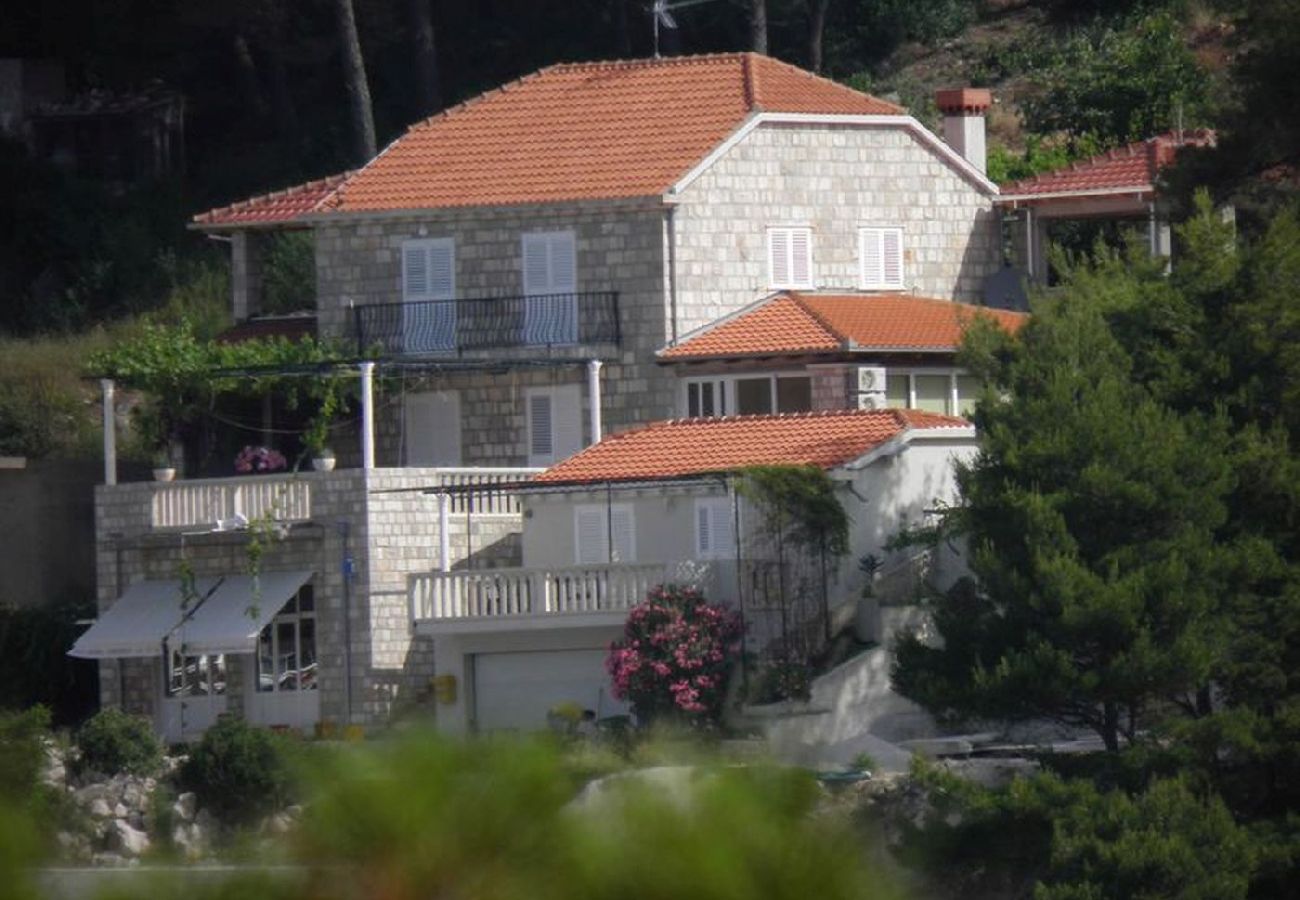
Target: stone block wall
620,247
834,179
379,520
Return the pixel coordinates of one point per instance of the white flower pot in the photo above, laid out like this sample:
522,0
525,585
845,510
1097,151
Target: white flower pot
323,463
164,473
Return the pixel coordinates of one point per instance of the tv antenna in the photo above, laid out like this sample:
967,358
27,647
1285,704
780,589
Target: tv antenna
661,15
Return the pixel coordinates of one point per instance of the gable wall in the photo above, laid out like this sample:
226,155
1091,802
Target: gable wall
835,179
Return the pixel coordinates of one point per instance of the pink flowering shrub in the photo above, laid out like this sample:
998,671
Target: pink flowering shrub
673,658
259,459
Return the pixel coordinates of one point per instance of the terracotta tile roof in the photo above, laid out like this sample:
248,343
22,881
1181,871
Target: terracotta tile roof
1132,167
683,447
589,131
790,324
275,208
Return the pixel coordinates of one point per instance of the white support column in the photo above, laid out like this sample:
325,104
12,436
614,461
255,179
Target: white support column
110,432
593,394
444,532
367,415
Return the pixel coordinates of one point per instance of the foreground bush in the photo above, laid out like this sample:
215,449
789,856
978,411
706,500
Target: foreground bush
237,772
112,741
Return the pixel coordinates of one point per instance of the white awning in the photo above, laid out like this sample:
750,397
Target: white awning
139,621
230,620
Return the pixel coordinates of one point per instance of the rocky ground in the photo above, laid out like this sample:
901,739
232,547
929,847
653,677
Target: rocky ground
118,820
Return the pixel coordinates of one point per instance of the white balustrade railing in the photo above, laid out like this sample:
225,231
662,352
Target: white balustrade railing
490,494
492,593
185,504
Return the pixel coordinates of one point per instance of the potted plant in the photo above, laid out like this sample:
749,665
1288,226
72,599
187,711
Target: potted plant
316,436
163,469
257,460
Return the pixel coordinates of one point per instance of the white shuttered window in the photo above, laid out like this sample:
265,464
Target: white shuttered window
789,257
714,528
429,290
593,526
554,423
881,253
550,271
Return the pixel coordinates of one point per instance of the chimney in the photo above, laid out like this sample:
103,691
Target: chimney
963,121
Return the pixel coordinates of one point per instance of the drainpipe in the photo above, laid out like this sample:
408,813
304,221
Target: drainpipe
367,415
593,392
1029,243
110,432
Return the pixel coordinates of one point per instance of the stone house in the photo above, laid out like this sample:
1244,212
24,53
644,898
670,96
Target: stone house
515,264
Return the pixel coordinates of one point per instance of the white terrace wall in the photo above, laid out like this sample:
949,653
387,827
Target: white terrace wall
620,247
835,179
388,531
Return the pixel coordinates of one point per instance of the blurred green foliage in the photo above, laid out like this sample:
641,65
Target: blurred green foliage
112,741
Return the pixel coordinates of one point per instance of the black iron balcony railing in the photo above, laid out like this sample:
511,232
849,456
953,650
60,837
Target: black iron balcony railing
488,323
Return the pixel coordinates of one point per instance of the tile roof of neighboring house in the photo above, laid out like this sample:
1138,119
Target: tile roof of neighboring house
582,131
684,447
275,208
790,323
292,327
1132,167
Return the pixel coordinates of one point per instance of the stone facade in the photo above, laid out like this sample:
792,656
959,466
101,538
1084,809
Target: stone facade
834,179
379,520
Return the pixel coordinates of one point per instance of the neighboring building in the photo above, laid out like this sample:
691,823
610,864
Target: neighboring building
1121,184
795,352
656,504
515,264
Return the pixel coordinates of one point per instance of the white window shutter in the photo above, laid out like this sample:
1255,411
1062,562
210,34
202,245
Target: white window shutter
563,259
892,254
623,526
541,440
431,429
590,536
778,255
537,267
703,530
442,270
801,257
566,420
873,265
415,271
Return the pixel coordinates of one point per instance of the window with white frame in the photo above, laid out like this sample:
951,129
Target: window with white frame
604,534
880,255
715,535
429,295
554,423
746,395
550,273
789,257
286,648
934,390
194,676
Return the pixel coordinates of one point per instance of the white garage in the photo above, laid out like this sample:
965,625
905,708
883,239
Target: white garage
515,690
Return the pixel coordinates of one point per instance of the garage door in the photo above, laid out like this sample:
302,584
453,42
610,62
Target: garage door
515,690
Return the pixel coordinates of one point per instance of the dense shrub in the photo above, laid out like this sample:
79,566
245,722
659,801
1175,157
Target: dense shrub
21,752
34,664
238,772
674,657
112,741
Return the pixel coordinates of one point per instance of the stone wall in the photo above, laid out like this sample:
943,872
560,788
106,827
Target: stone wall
379,520
834,179
620,247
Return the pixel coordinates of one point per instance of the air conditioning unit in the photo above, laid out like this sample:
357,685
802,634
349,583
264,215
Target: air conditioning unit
871,401
871,387
870,379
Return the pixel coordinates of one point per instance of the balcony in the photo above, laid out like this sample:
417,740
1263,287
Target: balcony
466,325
